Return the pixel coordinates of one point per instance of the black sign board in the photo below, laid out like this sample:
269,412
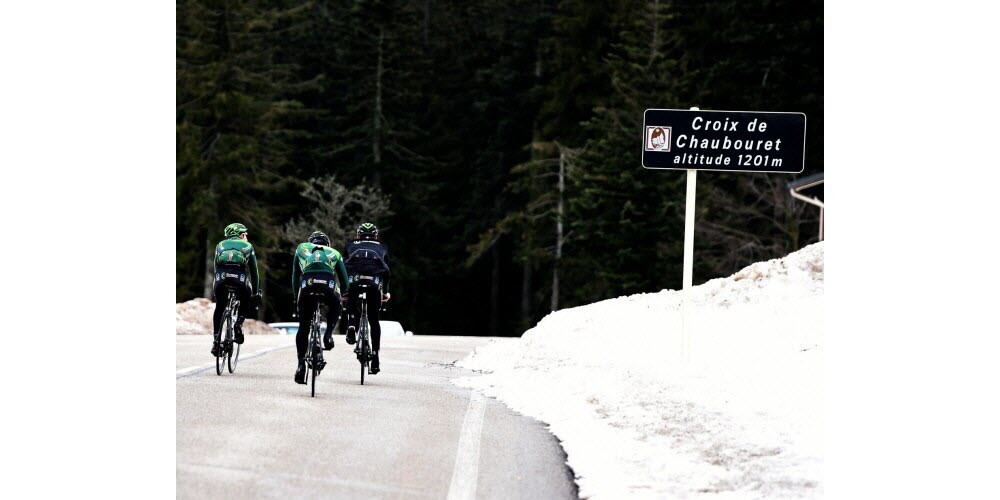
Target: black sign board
742,141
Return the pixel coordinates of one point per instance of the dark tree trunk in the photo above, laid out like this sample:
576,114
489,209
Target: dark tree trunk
427,19
262,271
209,266
495,292
377,119
526,296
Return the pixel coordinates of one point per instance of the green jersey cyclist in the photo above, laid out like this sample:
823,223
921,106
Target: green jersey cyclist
235,269
316,267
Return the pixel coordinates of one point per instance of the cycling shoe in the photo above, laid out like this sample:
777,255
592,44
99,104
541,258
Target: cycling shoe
300,372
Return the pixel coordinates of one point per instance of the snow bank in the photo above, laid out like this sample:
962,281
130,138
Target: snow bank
738,416
195,317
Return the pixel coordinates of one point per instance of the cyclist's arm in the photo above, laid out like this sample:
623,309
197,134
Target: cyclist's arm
295,273
254,277
215,260
342,274
385,279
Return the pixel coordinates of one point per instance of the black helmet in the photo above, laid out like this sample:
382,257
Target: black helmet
367,231
319,238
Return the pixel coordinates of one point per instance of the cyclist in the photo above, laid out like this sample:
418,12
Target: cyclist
368,267
316,267
234,261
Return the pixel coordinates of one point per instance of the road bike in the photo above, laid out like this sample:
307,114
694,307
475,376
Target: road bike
314,351
227,355
364,347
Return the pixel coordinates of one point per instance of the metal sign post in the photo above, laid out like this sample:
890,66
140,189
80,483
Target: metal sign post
732,141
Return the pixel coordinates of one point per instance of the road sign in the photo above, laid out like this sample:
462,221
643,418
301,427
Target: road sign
740,141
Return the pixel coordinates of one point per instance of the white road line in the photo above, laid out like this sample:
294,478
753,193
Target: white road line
466,474
192,370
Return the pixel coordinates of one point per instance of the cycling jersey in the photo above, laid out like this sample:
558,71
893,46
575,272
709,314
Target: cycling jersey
317,259
236,253
368,258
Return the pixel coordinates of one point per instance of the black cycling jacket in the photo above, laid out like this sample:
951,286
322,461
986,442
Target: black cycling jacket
367,257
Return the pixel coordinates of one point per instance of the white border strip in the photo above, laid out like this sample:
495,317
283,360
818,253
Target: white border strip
464,478
194,370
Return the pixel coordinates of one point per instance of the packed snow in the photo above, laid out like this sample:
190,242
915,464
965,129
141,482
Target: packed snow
194,317
734,411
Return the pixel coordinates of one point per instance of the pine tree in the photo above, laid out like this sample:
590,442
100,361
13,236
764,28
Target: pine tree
623,217
233,133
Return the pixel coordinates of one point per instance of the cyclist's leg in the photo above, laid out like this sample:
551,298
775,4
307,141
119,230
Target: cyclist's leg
353,313
221,298
342,322
246,304
332,299
306,307
246,309
353,306
374,305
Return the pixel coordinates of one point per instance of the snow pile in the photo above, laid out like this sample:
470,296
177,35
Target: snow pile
734,411
195,317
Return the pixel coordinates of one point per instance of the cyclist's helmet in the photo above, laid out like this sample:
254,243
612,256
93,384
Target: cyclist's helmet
319,238
235,229
367,231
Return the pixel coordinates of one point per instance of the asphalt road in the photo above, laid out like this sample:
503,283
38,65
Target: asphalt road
407,433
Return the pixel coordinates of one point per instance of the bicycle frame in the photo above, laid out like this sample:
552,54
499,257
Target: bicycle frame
314,352
226,351
232,313
364,338
314,328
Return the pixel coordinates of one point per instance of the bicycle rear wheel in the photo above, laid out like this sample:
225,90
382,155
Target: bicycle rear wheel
366,356
234,358
220,360
313,390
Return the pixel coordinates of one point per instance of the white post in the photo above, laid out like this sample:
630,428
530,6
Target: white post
821,209
692,180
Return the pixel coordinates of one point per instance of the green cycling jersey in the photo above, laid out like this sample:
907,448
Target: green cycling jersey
313,258
237,251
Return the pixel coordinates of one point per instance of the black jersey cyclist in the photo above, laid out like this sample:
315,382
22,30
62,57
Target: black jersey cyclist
368,269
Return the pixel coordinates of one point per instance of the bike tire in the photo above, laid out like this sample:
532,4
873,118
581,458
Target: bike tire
366,357
220,360
234,358
313,389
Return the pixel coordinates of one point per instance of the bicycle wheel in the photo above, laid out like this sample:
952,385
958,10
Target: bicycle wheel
234,358
220,360
313,390
366,356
